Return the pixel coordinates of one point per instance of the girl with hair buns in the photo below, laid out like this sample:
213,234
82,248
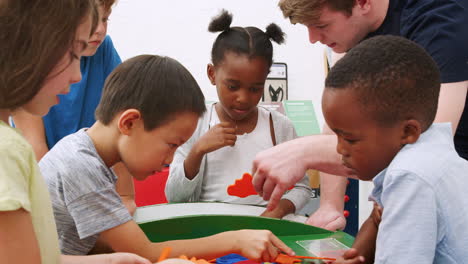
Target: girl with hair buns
42,42
205,166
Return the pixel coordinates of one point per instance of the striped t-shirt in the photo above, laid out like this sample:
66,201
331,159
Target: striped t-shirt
82,190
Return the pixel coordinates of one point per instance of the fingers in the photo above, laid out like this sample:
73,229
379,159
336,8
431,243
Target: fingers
266,257
228,127
228,133
327,218
273,252
262,245
230,140
275,197
143,261
352,256
377,214
258,180
379,211
225,128
350,253
338,224
217,137
140,260
281,246
268,187
273,247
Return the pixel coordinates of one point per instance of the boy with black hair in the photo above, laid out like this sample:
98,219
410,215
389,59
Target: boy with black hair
381,99
149,107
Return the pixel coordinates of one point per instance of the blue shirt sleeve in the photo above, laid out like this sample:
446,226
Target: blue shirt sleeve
407,233
111,57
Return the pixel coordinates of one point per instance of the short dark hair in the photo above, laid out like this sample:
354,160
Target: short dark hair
250,41
394,79
159,87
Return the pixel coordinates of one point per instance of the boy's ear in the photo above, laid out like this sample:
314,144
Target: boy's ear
210,71
365,6
128,120
411,131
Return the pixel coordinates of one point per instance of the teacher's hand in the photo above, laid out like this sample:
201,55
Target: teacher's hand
277,169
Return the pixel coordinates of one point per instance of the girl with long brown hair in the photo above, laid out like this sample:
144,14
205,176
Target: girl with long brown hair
41,44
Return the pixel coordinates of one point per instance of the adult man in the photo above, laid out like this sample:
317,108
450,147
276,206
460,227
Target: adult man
438,26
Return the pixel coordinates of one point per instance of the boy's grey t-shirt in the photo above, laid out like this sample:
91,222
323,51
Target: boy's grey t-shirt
83,194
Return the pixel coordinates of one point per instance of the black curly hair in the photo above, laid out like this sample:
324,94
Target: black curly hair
394,79
250,41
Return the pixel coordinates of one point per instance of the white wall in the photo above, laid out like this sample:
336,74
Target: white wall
178,28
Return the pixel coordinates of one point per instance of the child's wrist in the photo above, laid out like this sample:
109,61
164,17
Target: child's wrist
232,237
198,149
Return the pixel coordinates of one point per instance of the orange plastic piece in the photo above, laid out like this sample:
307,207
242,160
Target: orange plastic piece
242,187
194,260
285,259
164,254
167,250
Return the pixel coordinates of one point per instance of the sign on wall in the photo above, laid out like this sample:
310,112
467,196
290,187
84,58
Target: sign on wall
276,84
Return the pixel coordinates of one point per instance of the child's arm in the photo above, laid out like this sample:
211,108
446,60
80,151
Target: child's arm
284,207
18,242
32,128
115,258
221,135
363,250
253,244
187,160
125,187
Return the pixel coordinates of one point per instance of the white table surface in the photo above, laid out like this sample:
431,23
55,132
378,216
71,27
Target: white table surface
165,211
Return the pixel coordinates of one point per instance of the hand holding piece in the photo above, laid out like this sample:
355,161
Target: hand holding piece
351,256
219,136
243,187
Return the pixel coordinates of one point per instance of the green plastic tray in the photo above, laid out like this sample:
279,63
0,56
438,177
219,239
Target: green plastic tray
195,226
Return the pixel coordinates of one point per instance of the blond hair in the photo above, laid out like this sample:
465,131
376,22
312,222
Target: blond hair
309,11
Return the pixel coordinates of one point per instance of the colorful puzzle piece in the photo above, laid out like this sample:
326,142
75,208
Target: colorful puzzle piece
167,250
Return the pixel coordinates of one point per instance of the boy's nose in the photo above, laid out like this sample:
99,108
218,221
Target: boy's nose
169,158
100,29
314,35
340,148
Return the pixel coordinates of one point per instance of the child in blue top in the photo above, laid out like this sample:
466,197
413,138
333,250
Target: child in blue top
380,99
233,130
75,109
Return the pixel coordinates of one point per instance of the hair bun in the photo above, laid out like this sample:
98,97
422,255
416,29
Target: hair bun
221,22
275,33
